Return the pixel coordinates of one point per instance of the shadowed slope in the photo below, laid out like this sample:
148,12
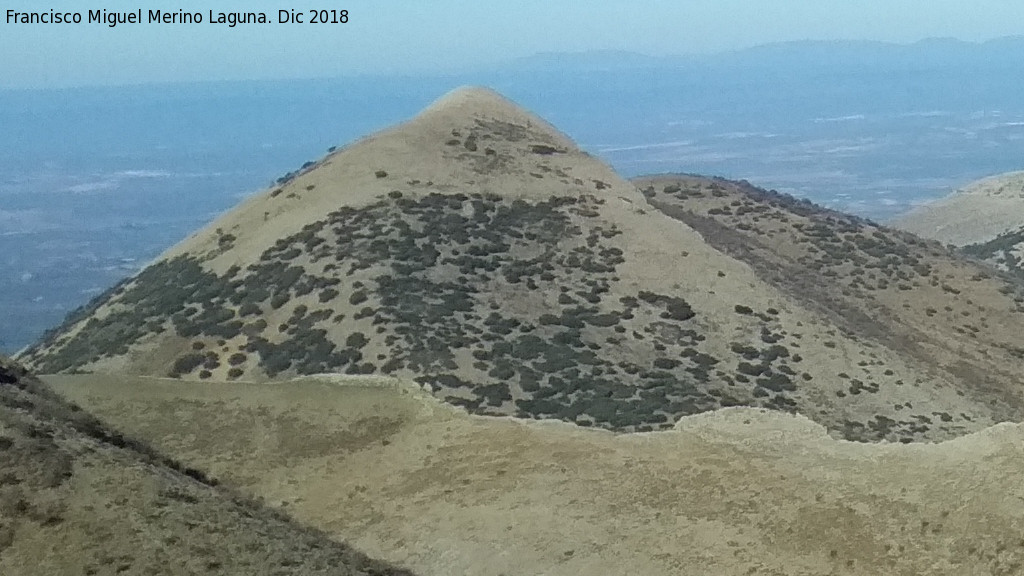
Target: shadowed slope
77,498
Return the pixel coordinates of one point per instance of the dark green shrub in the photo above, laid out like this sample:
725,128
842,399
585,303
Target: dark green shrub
503,370
548,320
748,352
665,363
444,381
356,340
279,299
392,365
528,347
751,369
777,383
186,364
495,394
357,297
328,295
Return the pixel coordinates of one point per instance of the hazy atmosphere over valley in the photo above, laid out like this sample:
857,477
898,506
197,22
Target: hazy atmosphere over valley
711,288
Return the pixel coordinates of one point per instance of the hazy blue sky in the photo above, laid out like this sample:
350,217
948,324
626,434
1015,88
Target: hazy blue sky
446,35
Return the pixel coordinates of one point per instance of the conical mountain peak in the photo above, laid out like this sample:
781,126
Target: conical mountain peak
471,98
478,251
473,105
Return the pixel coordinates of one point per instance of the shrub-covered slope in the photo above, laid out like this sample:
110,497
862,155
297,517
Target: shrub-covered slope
78,498
1005,252
478,251
882,286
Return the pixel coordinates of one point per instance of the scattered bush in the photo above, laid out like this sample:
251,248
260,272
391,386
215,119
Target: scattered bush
357,297
186,364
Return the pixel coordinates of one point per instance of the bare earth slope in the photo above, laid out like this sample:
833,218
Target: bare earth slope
78,498
734,492
478,251
974,214
949,317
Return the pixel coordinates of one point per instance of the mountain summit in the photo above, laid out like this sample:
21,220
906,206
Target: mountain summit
479,251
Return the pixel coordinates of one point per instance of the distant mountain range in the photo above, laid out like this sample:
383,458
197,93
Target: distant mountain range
801,56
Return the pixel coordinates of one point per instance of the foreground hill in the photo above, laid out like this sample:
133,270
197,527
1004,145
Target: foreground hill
478,251
735,492
975,214
78,498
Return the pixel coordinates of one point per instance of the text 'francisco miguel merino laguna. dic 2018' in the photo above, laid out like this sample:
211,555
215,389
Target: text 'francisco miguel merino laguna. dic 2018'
230,19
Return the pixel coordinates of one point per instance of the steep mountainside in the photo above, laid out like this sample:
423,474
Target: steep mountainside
78,498
975,214
953,319
478,251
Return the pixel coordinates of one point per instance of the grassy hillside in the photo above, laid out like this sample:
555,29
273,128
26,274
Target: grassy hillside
882,286
736,492
479,252
975,214
77,497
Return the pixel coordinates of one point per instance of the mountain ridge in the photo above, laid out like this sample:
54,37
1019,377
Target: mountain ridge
477,250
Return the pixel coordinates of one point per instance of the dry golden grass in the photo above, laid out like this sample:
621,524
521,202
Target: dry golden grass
739,491
78,498
974,214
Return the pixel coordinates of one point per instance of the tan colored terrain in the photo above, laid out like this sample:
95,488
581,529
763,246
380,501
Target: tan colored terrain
977,213
735,492
476,250
474,257
78,498
957,319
